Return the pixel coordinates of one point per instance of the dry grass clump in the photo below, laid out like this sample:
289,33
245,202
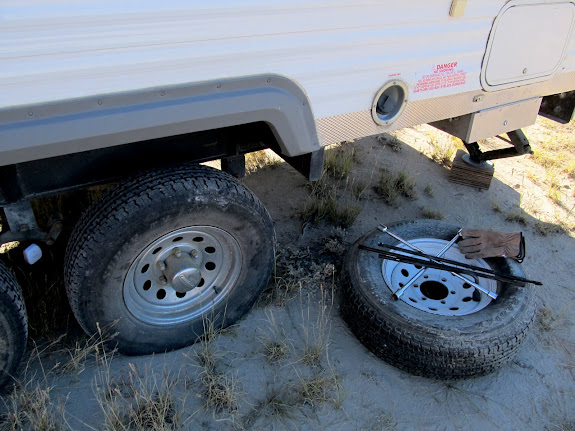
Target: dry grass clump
207,356
220,391
30,404
442,151
516,216
315,390
262,159
339,161
553,145
275,343
317,381
335,196
280,290
432,214
316,333
390,186
275,350
546,319
332,245
328,202
554,192
386,187
551,325
406,185
358,189
568,425
30,407
496,207
392,141
139,402
321,386
545,228
89,350
279,406
292,269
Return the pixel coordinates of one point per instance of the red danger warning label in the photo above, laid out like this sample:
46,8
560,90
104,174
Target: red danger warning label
444,75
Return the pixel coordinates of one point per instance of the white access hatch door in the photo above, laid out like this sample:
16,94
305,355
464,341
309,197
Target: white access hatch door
527,43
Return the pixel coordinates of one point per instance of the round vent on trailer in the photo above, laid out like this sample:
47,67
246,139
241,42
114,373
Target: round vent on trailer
389,102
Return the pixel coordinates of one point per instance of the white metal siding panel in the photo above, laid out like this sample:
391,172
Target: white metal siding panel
354,125
339,51
528,43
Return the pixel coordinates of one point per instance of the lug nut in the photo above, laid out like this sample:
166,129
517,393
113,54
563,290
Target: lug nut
163,279
194,253
177,252
161,265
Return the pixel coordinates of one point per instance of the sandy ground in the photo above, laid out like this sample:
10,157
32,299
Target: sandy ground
358,391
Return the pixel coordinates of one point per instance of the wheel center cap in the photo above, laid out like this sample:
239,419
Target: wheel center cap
182,272
186,280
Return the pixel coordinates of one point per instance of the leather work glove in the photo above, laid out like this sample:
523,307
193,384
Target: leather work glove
477,244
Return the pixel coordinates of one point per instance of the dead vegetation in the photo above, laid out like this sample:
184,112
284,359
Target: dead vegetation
336,196
140,401
316,333
327,203
516,216
391,141
275,343
429,190
443,147
555,151
432,214
220,391
279,407
30,406
262,159
393,185
340,160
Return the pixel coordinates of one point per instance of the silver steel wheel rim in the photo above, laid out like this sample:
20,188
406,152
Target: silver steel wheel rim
150,296
436,291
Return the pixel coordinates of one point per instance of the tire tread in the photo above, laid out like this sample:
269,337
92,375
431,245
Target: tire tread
448,357
119,203
13,309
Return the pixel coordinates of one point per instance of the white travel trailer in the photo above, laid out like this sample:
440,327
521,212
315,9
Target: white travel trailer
138,92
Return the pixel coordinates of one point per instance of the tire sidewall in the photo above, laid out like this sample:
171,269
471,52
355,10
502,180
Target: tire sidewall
101,295
504,316
13,326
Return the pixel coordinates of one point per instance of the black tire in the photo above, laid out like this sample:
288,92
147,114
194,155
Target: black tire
199,209
425,344
13,326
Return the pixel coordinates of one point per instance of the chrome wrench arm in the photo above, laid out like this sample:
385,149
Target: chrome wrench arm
396,295
407,285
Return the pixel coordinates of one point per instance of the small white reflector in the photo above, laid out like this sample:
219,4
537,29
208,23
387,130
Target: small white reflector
32,254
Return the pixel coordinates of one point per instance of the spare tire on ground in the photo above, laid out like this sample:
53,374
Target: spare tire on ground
441,327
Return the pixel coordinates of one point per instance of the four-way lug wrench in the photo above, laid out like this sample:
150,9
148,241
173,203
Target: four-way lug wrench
397,294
